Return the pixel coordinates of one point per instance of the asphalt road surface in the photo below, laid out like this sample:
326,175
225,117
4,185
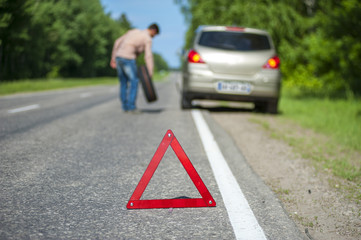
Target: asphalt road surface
71,159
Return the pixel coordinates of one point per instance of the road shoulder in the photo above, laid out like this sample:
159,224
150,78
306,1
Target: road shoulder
309,195
268,210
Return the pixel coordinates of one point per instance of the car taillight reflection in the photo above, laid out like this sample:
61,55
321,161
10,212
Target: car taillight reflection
194,57
273,63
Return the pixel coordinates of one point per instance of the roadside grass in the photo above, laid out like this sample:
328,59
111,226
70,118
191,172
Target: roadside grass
34,85
326,131
340,121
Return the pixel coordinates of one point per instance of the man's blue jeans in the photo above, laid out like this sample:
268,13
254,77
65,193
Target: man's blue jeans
127,74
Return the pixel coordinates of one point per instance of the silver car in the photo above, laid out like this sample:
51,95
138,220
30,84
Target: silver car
234,64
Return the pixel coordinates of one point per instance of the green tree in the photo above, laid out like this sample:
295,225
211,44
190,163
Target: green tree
287,25
325,62
159,63
56,38
318,41
124,23
14,36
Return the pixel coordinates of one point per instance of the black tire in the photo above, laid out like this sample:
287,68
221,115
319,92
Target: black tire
260,107
186,102
270,106
147,84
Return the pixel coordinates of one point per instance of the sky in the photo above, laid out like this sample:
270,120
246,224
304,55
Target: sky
168,16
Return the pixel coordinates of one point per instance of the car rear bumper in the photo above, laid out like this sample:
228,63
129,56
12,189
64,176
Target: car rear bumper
203,85
228,97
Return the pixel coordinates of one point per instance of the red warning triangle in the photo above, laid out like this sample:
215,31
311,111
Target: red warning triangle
206,200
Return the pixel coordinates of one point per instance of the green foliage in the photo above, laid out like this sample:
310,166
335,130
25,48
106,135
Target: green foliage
52,38
14,15
283,22
339,120
329,53
319,45
123,23
159,63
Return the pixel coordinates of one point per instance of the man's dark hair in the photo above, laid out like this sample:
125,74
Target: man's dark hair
155,27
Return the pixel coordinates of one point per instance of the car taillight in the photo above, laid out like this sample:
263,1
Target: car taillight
194,57
273,63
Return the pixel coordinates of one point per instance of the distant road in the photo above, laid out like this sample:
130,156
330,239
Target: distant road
21,112
71,159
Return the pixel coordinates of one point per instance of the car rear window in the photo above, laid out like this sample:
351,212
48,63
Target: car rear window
238,41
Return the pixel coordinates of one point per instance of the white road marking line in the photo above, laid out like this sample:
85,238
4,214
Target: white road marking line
23,109
244,223
85,95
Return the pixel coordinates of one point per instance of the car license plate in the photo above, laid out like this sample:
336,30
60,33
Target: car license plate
234,87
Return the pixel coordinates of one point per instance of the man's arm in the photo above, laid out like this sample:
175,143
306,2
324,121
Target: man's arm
148,57
116,45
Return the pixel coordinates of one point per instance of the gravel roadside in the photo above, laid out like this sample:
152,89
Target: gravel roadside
319,209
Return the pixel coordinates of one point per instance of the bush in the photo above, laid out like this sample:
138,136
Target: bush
319,44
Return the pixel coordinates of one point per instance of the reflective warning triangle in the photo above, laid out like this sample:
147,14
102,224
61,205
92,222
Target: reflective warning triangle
206,200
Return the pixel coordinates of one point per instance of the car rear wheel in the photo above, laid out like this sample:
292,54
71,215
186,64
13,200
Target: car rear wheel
186,102
270,106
